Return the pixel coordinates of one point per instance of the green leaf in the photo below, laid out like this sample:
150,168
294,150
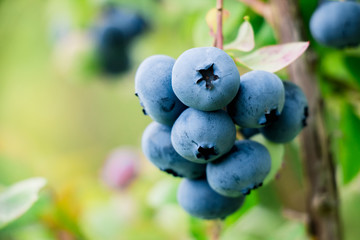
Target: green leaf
258,223
250,201
197,228
350,208
290,231
349,151
273,58
18,198
245,39
163,192
352,63
277,154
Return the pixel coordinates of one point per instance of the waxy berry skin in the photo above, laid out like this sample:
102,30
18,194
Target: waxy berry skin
292,119
199,200
157,147
259,101
205,78
202,137
241,170
114,33
153,87
336,24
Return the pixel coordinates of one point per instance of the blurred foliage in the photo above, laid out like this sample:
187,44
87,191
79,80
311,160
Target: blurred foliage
59,119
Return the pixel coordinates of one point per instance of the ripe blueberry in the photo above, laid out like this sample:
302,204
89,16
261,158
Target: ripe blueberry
292,119
203,136
242,169
199,200
259,101
115,31
153,87
157,147
337,24
249,132
205,78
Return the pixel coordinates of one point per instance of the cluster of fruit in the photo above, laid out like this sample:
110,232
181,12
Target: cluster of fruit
337,24
114,33
195,138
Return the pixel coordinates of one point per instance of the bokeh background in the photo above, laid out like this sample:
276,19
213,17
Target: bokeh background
61,119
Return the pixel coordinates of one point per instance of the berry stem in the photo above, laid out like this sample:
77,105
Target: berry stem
219,38
216,229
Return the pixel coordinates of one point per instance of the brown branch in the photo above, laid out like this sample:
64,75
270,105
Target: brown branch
219,38
322,196
260,8
216,228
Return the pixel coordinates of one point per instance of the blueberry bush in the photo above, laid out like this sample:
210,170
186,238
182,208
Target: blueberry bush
244,123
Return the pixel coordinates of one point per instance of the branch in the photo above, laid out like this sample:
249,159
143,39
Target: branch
260,8
216,229
322,194
219,38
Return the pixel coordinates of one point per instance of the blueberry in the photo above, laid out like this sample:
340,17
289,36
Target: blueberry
114,33
157,147
249,132
112,52
259,101
203,136
199,200
127,22
242,169
153,87
336,24
205,78
292,119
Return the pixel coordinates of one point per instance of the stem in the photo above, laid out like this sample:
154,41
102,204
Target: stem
322,194
219,38
216,229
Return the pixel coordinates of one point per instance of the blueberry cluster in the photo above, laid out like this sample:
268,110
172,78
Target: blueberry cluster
337,24
114,33
195,138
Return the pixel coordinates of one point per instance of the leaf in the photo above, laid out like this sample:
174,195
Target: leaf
18,198
273,58
250,202
163,192
277,154
258,223
197,229
349,150
352,63
245,39
211,18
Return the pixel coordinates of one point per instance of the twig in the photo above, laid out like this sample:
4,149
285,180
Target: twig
216,229
322,194
219,38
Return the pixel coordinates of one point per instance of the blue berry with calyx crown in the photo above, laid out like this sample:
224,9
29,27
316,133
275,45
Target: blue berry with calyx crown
202,137
259,101
337,24
199,200
153,87
157,147
244,168
205,78
292,119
